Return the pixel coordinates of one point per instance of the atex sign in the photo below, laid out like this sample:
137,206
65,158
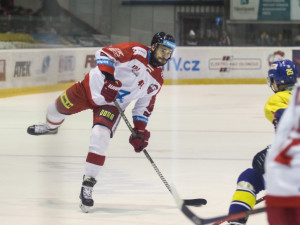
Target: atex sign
228,63
22,69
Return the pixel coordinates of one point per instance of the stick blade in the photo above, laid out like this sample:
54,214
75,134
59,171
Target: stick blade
195,202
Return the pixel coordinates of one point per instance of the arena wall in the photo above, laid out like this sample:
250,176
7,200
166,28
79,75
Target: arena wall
39,70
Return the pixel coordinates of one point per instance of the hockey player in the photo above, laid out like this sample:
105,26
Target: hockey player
125,72
283,168
282,77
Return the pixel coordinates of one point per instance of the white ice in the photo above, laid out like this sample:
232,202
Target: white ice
202,138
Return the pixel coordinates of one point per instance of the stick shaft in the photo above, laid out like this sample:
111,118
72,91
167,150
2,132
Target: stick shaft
192,202
145,151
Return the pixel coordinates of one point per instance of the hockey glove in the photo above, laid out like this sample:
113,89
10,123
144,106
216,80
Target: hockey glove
277,116
258,162
140,141
110,90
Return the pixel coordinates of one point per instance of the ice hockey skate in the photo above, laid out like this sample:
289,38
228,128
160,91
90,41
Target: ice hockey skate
85,196
41,129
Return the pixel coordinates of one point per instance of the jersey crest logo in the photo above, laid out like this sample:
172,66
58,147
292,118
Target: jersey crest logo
141,83
152,88
116,51
135,70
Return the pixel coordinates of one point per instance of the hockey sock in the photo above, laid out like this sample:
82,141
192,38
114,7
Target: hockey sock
249,184
54,118
99,142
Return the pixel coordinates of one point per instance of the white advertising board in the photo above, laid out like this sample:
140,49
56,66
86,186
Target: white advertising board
222,62
37,67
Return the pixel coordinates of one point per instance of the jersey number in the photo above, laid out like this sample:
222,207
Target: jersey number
283,156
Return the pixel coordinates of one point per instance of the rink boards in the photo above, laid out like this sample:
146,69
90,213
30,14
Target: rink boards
40,70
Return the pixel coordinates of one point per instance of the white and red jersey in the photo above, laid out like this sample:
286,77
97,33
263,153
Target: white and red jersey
283,159
129,63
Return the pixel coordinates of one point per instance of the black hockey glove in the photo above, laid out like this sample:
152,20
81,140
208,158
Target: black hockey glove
258,162
277,116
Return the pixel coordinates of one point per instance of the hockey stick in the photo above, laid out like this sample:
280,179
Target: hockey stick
190,202
214,220
260,200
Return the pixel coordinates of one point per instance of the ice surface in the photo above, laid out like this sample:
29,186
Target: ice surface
202,137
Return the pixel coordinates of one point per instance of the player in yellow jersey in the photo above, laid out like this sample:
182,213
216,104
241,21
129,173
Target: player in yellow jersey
282,77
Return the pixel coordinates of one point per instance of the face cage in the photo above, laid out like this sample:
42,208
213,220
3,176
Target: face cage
270,81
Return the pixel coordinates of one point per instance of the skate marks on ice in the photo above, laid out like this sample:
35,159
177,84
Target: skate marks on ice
114,209
217,131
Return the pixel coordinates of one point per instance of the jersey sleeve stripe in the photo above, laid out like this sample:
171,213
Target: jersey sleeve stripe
105,62
140,119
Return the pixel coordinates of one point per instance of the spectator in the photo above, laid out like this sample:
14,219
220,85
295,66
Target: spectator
296,40
264,39
6,6
191,39
209,40
225,39
280,40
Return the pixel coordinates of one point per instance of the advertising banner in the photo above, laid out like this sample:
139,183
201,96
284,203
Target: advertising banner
295,9
38,67
244,9
222,62
264,10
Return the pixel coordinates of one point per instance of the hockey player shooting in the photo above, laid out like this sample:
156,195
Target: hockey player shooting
126,72
282,77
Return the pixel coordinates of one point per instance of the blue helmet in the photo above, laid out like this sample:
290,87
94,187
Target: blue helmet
282,72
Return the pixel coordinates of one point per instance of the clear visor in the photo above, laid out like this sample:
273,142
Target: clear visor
269,81
165,50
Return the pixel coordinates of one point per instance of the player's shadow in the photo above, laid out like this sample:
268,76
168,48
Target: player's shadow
117,209
132,209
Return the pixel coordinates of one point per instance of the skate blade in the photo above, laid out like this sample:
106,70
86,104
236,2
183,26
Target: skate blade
84,208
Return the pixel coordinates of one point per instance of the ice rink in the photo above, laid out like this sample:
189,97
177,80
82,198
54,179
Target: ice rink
202,138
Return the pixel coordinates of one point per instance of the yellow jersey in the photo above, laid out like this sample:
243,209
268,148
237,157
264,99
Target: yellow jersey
279,100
